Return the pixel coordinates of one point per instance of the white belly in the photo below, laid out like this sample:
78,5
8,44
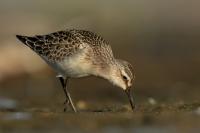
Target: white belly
75,66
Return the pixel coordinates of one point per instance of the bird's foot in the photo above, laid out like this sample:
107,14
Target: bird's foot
66,104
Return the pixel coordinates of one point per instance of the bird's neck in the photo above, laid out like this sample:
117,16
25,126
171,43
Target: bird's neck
105,72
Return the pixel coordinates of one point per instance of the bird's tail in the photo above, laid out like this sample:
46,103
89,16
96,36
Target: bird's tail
29,41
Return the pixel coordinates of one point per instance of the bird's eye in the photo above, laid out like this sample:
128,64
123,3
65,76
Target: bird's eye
124,77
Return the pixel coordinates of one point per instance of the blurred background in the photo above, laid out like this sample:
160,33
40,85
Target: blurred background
160,38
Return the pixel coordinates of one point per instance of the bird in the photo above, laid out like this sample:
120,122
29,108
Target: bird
75,53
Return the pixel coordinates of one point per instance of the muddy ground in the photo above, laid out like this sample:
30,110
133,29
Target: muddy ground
33,109
145,119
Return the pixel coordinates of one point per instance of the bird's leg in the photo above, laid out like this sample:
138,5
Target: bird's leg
63,83
67,94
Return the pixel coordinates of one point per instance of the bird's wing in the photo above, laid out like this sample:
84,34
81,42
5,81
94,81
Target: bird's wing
55,46
99,44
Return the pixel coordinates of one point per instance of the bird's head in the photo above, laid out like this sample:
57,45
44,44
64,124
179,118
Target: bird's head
122,75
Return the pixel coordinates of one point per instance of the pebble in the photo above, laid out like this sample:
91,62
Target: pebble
6,103
152,101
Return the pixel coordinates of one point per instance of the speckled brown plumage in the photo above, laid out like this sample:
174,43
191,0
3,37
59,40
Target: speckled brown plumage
58,45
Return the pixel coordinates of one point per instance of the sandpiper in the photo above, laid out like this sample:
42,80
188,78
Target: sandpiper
79,53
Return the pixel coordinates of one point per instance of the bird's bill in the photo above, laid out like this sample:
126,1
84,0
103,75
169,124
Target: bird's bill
130,97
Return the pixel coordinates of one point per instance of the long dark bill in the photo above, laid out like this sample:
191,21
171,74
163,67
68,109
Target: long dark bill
130,97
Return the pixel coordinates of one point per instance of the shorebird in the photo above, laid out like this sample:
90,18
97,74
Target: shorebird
79,53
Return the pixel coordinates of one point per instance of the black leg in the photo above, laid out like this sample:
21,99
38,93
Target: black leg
63,83
67,94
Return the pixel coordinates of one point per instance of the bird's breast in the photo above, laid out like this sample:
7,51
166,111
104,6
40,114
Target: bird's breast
76,66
